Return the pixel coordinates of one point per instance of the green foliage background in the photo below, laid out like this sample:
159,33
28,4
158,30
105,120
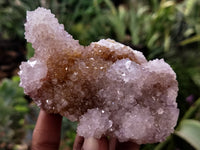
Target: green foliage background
168,29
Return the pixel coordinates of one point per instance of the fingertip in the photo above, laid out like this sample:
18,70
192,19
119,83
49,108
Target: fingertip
78,142
95,144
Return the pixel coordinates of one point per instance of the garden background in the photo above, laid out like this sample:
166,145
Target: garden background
168,29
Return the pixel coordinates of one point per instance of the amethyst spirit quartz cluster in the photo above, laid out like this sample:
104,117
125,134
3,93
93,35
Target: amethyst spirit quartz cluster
109,88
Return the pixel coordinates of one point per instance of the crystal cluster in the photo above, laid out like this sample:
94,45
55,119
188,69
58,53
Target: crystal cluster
109,88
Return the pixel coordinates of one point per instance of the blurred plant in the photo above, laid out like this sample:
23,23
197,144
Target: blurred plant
68,133
13,108
190,9
17,118
30,51
118,19
12,17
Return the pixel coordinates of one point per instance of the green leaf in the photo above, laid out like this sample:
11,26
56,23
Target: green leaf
190,4
30,50
193,39
22,109
190,131
167,40
153,39
191,110
111,6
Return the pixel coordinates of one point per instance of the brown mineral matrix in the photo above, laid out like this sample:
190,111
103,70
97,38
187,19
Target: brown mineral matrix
108,87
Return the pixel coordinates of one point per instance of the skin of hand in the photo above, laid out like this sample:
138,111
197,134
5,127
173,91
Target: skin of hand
46,136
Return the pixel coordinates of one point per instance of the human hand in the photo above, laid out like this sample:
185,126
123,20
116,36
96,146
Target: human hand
46,136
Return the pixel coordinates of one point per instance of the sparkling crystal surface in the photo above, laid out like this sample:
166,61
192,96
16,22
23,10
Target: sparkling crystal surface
108,87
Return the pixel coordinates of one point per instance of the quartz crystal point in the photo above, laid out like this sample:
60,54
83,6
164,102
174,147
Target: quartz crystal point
109,88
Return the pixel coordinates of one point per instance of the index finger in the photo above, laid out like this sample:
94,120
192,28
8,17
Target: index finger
46,135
